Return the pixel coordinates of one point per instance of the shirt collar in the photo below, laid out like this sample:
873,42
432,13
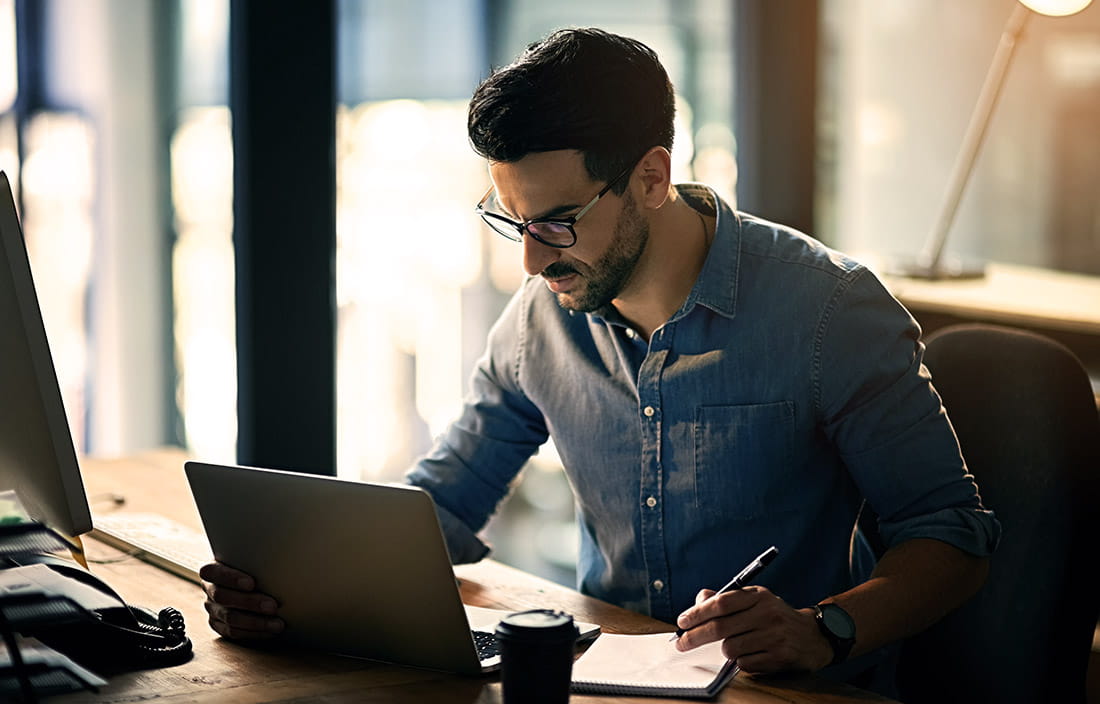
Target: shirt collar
716,286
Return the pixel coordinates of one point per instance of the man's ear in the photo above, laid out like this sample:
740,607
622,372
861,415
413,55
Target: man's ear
655,169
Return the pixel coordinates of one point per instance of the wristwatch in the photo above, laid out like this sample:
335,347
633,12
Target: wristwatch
838,628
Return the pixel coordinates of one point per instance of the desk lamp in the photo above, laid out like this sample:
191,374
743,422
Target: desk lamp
931,264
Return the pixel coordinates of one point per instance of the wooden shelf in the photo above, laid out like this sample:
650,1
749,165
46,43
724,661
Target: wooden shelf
1013,295
1062,306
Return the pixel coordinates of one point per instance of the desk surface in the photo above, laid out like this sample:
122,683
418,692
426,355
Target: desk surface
225,671
1010,294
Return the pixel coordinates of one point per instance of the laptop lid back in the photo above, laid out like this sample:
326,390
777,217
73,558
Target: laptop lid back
357,568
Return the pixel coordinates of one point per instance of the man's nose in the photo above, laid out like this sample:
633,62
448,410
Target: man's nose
537,256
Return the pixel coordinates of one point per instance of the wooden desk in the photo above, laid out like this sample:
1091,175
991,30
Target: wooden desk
222,671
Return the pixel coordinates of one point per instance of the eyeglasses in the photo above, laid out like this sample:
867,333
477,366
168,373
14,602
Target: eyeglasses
552,232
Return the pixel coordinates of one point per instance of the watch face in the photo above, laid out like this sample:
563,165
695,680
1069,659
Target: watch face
838,621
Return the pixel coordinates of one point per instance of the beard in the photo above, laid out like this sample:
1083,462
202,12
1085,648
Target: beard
607,277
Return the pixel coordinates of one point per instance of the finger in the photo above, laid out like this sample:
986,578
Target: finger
226,576
247,601
773,641
705,632
727,614
703,595
715,629
717,606
234,623
757,659
226,631
694,615
751,644
758,663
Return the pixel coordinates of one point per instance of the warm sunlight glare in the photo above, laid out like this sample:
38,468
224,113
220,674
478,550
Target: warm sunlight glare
203,278
408,244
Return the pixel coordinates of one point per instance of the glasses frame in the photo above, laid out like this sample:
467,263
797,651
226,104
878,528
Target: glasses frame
521,228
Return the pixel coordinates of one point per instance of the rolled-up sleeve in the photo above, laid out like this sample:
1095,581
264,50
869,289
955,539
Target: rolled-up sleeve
879,408
471,467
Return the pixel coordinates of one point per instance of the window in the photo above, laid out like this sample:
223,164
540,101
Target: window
419,279
202,266
201,157
58,187
900,81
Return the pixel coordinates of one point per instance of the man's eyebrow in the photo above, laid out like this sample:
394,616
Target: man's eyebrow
557,211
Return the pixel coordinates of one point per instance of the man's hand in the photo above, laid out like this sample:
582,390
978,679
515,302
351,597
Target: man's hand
758,629
236,609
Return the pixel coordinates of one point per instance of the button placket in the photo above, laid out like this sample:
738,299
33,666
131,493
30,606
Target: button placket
652,536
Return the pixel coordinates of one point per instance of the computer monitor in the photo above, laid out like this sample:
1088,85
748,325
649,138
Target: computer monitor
37,456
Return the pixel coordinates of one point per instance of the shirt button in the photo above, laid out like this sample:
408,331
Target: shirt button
658,585
651,502
630,333
648,411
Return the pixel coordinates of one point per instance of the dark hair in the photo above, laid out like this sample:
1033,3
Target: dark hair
585,89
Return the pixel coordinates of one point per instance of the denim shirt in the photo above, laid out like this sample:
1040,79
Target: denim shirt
786,390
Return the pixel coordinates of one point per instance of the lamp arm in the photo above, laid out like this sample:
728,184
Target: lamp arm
975,135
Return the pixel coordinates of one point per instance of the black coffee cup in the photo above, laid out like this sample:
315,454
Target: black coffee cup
536,656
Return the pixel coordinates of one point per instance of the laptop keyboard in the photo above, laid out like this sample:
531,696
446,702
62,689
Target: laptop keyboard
486,644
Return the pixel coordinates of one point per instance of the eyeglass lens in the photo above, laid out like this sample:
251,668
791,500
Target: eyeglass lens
551,233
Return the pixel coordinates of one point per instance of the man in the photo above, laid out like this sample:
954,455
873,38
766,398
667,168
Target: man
714,383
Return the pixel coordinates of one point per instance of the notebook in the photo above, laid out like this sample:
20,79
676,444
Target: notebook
358,569
650,665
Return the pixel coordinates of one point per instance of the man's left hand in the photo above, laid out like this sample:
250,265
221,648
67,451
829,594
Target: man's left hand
758,630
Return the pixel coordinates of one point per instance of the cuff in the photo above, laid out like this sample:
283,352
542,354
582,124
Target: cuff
972,530
462,543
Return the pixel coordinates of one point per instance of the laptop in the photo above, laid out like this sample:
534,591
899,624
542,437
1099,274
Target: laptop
358,568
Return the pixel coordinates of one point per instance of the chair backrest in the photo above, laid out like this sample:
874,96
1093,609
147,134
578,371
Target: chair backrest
1027,422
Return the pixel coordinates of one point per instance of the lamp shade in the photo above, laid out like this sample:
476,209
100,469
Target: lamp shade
1056,8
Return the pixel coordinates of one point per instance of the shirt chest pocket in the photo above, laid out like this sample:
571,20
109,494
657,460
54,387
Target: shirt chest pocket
743,459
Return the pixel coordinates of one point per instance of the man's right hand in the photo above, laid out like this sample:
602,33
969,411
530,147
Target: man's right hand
236,609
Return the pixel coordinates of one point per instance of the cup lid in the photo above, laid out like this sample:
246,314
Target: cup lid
537,624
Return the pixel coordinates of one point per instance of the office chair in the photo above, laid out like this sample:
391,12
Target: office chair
1026,418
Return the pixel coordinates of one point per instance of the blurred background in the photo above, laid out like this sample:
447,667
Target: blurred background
116,130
